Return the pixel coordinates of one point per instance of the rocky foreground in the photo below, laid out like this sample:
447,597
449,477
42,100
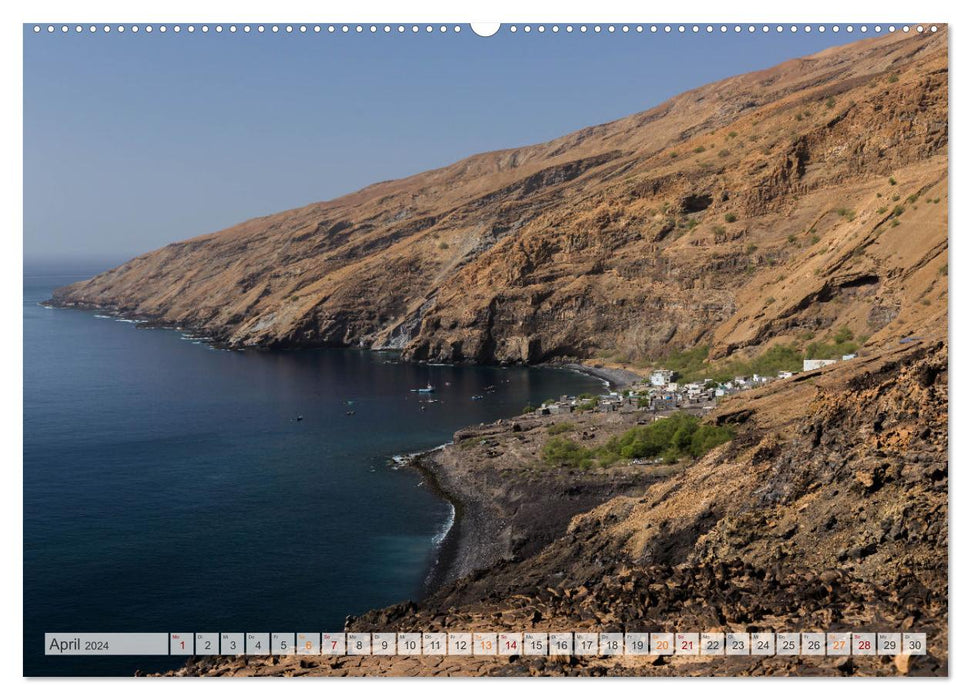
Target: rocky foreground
826,512
773,207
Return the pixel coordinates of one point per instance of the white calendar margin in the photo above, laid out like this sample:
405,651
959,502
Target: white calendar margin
442,10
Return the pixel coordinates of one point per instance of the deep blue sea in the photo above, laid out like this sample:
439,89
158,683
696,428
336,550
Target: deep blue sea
168,487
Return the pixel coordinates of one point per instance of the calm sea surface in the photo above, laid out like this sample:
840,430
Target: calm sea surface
169,487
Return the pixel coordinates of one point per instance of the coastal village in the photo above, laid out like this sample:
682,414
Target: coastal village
661,393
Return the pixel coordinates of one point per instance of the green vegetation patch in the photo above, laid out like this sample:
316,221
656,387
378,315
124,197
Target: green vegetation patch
691,365
668,439
686,363
564,452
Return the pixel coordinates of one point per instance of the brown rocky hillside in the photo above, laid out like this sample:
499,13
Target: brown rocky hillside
772,207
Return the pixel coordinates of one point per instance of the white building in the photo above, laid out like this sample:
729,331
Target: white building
661,377
809,365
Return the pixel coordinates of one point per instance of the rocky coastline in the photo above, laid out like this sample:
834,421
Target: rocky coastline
828,511
492,475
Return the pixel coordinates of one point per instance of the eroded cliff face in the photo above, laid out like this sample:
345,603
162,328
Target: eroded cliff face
759,209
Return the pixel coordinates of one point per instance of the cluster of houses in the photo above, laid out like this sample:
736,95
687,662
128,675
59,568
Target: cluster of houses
661,392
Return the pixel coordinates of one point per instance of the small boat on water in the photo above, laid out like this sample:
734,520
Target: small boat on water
478,397
426,390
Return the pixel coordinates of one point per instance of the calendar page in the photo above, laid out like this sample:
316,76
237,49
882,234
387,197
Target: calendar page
527,349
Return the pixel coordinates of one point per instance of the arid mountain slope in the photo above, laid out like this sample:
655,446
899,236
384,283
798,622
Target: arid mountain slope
773,206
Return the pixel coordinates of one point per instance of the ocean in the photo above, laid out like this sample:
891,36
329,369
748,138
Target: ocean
170,487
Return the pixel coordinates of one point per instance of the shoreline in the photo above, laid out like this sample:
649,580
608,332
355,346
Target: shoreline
447,548
502,515
472,536
613,377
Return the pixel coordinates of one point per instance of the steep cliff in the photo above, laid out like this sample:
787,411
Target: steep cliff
770,207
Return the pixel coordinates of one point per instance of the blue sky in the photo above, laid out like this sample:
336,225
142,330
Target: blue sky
134,141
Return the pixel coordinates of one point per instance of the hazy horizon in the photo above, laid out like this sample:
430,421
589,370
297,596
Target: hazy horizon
132,142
